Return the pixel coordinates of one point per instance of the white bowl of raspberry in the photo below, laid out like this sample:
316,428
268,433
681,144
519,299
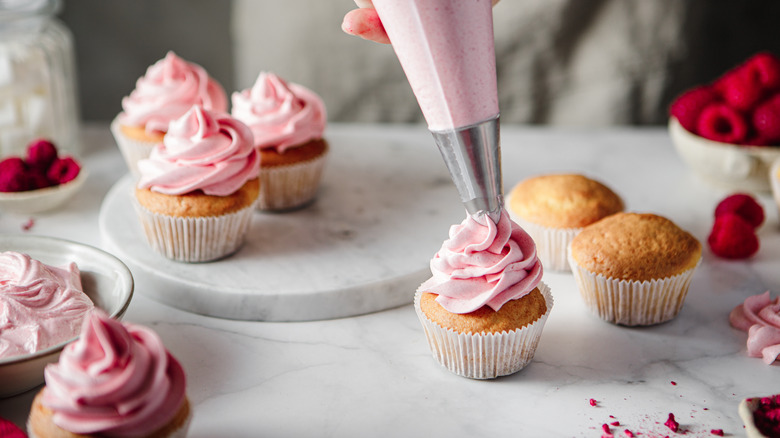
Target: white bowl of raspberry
40,181
728,131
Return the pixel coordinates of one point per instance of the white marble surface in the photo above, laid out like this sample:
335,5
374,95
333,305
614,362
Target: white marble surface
373,375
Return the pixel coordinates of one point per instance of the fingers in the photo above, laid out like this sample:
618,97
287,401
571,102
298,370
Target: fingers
365,23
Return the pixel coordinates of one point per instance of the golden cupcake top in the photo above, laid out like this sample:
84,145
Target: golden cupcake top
634,246
563,200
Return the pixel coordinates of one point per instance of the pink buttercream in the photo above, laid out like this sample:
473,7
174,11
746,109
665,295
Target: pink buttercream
484,264
759,315
170,87
281,115
202,150
116,380
40,306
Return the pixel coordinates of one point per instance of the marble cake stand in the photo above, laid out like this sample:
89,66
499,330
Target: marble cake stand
362,246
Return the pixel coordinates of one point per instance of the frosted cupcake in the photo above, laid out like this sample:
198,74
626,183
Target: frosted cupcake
634,269
287,121
484,308
170,87
116,380
197,190
554,208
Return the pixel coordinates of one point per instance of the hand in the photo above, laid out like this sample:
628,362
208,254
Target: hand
365,22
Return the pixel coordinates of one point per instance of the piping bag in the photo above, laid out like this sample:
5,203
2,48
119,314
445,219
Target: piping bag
447,52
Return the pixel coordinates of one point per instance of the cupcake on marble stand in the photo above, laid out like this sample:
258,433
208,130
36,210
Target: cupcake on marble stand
117,379
288,122
197,190
484,308
168,89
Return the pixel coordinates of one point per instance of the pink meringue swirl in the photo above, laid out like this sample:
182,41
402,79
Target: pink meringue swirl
281,115
170,87
483,263
116,380
202,150
40,305
759,315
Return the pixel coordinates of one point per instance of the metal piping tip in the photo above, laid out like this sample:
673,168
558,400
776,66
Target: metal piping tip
473,157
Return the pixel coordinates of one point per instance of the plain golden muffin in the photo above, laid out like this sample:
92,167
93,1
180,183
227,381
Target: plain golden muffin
269,157
514,314
197,203
633,246
563,201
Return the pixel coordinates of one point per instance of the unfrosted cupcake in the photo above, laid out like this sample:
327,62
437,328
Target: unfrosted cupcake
287,121
634,269
484,308
170,87
116,380
197,190
554,208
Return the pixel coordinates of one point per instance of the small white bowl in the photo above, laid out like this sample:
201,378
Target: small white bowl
37,201
106,280
746,409
728,166
774,179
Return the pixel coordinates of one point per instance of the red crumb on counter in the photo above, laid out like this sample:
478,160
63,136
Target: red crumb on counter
673,425
674,383
27,226
607,432
629,434
593,402
718,432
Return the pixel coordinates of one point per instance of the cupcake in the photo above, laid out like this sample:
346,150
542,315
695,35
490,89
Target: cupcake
287,121
198,188
484,308
634,269
41,305
170,87
554,208
116,380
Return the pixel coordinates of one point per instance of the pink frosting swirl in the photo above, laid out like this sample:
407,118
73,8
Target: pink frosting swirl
116,380
40,305
759,315
484,263
281,115
202,150
170,87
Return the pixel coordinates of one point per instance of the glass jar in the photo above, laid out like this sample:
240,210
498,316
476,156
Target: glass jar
37,78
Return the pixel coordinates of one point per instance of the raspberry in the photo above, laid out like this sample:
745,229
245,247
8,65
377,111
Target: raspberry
40,154
13,175
38,179
741,89
744,206
10,430
764,68
722,123
63,170
688,106
766,120
732,237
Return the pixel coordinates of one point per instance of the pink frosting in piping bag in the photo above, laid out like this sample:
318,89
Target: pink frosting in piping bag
759,315
40,305
483,263
202,150
281,115
117,380
170,87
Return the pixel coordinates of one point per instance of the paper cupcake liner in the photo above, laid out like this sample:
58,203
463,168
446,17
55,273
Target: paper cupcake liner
291,186
629,302
551,243
132,150
774,178
484,355
195,239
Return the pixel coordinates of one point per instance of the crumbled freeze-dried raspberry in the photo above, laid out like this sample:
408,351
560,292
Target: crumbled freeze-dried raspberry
615,423
607,431
718,432
628,433
27,226
63,170
40,154
674,383
767,415
673,425
593,402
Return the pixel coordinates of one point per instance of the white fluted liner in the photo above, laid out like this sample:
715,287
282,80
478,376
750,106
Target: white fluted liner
132,150
195,239
291,186
774,180
551,243
484,355
632,303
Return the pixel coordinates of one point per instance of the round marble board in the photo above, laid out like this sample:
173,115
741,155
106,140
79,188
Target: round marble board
364,245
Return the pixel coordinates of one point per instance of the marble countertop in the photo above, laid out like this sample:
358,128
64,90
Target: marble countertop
373,374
